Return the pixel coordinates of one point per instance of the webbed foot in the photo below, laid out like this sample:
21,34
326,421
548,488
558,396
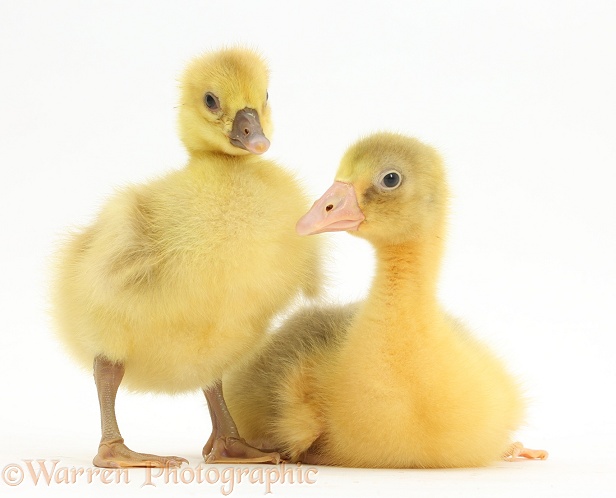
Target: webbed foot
235,450
115,454
517,451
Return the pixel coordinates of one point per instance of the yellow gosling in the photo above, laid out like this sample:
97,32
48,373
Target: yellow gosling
178,278
392,381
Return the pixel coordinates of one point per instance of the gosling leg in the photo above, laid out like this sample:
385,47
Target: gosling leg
225,444
112,452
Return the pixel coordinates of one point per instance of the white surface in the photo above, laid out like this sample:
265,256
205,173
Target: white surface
519,97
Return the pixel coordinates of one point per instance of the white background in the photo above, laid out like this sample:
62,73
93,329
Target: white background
519,96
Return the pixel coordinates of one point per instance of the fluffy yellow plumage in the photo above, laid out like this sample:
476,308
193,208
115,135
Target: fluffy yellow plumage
392,381
177,278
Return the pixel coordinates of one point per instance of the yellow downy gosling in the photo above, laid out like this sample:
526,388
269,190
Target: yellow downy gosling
177,279
392,381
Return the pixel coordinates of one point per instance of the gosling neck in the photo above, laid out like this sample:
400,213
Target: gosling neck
202,160
406,278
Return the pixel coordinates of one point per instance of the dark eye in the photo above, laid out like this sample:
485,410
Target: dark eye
390,180
211,101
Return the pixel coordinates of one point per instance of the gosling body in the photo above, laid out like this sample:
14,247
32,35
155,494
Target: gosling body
178,278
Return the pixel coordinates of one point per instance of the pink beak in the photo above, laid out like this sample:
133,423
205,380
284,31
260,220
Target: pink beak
336,210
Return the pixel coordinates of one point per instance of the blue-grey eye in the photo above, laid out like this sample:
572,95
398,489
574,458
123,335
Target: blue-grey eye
211,101
390,180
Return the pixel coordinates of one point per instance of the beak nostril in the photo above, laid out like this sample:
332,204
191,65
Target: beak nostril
329,207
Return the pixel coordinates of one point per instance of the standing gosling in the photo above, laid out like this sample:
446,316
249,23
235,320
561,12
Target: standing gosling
177,279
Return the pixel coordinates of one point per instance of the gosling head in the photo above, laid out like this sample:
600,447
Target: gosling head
223,104
389,189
